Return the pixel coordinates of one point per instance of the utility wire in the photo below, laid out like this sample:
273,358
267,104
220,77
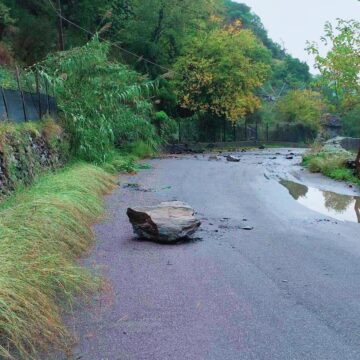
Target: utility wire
140,58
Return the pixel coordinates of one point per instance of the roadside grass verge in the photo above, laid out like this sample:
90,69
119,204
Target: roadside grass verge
126,161
44,229
331,165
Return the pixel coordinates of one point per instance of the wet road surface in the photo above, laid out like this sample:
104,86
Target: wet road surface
289,289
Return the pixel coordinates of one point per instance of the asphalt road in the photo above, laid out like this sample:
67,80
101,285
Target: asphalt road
288,289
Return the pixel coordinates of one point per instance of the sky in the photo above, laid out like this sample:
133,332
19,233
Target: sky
293,22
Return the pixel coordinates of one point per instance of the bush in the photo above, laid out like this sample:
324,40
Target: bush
331,165
104,103
300,107
167,126
43,231
142,149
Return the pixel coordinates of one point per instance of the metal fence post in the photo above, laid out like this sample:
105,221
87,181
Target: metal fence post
21,93
47,96
5,103
38,92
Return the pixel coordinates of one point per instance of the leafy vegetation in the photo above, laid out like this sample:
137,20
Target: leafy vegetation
43,230
160,39
222,71
331,165
110,107
340,70
301,107
153,65
28,150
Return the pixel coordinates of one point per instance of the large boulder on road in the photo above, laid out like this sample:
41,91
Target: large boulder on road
167,222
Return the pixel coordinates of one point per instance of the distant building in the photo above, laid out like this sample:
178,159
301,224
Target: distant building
331,126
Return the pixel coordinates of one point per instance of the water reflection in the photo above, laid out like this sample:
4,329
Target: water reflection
341,207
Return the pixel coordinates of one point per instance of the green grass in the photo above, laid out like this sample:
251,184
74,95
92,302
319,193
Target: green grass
121,162
331,165
43,231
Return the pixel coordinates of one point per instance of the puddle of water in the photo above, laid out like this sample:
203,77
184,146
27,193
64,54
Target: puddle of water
341,207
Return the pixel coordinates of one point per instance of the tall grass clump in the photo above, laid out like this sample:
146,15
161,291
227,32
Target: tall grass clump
43,230
332,165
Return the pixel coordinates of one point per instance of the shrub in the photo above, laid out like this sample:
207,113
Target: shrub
331,165
300,107
142,149
104,103
168,128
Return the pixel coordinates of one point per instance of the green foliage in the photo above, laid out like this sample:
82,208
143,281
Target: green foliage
118,163
7,78
340,68
29,149
235,11
290,72
302,107
104,103
141,149
43,230
221,73
351,122
161,30
331,165
167,127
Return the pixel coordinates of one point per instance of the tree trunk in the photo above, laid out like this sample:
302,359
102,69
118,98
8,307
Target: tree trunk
357,163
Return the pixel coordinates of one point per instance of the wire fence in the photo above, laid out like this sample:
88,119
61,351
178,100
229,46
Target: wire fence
25,97
206,130
18,106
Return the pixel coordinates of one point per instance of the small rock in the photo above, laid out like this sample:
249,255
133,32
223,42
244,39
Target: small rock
214,158
247,228
232,158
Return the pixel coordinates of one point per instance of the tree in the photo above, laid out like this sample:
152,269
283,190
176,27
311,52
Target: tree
236,11
160,30
221,73
340,68
291,72
301,107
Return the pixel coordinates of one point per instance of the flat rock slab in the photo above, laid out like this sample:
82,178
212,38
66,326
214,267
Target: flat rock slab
167,222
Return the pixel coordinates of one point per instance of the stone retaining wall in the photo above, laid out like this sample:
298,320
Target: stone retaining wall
27,150
350,144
